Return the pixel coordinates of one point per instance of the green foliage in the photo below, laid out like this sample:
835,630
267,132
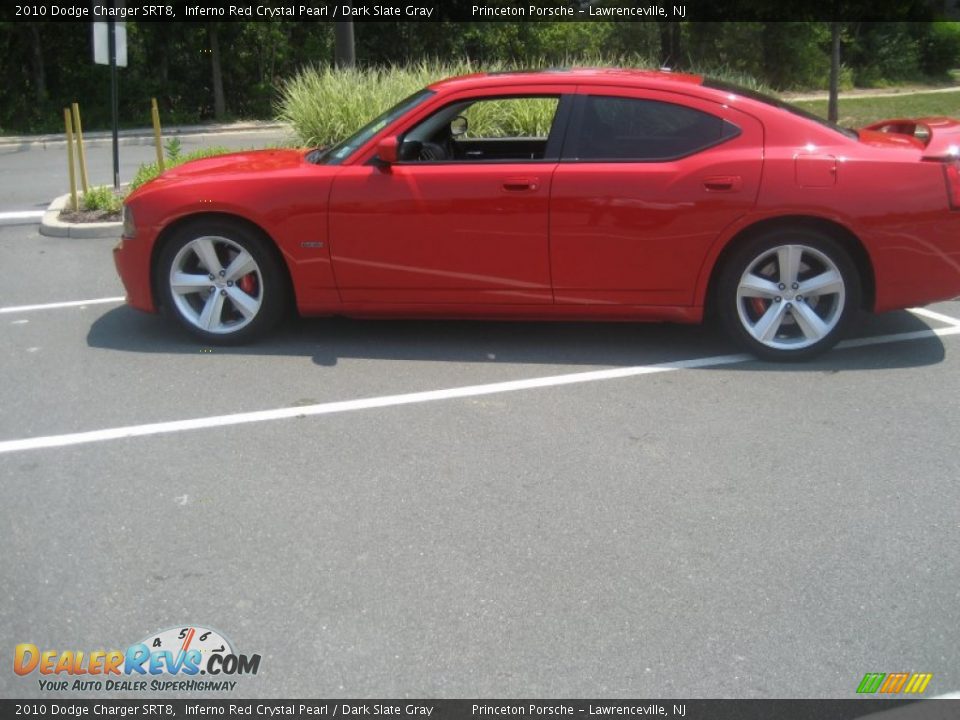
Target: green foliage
845,79
149,171
940,49
102,198
526,117
796,54
889,55
172,147
46,65
145,173
324,105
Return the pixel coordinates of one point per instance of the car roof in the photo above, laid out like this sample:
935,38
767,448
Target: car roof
571,76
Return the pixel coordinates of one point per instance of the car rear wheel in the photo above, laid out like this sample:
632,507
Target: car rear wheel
788,295
221,282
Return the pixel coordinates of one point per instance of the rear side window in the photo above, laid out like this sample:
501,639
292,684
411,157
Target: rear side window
630,129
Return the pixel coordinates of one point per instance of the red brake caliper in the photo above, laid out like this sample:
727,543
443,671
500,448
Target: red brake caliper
248,283
758,307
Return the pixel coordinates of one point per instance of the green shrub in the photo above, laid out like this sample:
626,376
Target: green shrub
173,147
324,105
102,198
529,117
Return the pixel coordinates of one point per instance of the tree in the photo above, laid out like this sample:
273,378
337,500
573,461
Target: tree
344,54
219,103
671,49
36,64
832,106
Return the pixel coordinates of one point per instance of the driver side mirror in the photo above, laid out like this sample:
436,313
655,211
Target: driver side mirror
458,126
387,150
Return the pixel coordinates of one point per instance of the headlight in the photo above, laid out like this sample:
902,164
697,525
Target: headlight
129,229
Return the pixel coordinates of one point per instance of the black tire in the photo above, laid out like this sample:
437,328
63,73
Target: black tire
248,306
780,319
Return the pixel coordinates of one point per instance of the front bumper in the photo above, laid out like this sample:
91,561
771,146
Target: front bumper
132,258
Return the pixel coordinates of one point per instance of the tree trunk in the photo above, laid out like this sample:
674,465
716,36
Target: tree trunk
219,103
344,54
670,39
832,106
163,68
36,64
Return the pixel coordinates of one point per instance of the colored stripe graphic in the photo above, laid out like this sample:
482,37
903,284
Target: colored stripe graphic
918,682
871,682
894,683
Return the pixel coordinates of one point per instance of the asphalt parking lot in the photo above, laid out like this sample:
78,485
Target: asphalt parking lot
659,517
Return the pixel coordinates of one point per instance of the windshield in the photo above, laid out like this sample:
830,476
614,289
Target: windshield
345,148
760,97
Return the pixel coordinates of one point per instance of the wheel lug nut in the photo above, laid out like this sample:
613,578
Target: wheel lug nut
799,298
223,293
795,286
222,273
212,288
782,286
789,305
229,283
211,276
777,298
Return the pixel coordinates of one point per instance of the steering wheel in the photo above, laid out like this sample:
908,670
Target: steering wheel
431,151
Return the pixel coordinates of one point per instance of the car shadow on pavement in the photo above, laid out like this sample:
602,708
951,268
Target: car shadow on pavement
327,340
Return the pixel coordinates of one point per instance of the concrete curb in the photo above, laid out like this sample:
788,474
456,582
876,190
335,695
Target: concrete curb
139,136
52,226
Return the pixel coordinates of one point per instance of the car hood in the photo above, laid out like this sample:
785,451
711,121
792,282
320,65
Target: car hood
255,161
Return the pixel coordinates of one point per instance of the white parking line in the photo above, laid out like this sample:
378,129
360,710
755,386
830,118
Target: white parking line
22,214
930,314
330,408
54,306
922,709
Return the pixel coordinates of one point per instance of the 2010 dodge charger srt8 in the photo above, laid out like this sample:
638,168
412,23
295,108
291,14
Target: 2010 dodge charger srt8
581,194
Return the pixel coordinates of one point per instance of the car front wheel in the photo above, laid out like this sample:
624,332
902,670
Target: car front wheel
221,282
788,295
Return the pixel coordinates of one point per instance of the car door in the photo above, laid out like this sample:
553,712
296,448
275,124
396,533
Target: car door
647,181
456,220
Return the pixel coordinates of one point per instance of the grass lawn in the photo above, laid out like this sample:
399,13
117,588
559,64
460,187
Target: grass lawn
857,112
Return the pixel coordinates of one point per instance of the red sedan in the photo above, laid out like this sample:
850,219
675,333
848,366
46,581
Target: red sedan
583,194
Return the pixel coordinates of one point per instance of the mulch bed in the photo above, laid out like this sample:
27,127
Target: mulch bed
88,216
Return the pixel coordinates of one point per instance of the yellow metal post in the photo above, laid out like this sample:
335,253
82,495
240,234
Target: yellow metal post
81,153
73,176
155,113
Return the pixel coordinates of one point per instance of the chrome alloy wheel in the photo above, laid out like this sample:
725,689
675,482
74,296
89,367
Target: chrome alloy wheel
790,297
216,285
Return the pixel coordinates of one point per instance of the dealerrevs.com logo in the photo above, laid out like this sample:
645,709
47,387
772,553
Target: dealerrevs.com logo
893,683
181,653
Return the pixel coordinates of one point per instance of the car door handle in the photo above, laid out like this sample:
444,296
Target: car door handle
723,183
521,184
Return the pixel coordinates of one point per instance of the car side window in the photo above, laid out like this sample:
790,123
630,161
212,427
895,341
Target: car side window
638,130
492,129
